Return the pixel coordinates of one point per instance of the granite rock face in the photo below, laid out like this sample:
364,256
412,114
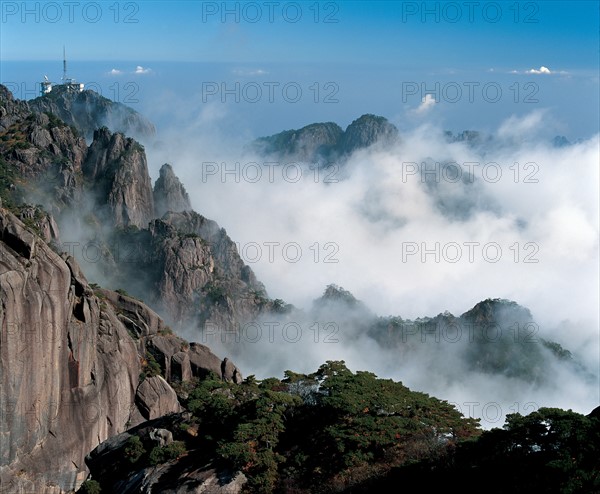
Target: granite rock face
169,193
188,268
183,361
183,264
71,358
79,363
69,367
11,110
155,398
203,277
41,156
117,167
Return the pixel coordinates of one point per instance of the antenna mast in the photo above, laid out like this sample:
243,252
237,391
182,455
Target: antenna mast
64,65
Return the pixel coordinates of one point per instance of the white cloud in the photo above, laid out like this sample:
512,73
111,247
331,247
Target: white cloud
115,72
427,103
542,213
249,72
142,70
541,70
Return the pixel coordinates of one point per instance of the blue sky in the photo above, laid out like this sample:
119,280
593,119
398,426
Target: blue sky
360,46
504,34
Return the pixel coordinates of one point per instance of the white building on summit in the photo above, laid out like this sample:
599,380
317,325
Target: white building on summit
68,83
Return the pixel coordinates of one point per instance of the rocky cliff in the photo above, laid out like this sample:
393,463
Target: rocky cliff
88,111
41,157
169,193
184,265
117,171
11,110
187,266
75,364
69,367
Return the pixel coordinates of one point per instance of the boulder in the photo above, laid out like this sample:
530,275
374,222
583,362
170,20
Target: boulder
155,398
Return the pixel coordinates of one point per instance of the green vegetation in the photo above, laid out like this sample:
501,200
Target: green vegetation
166,331
216,294
259,297
132,148
150,367
314,430
31,216
557,350
135,452
134,449
13,138
548,451
9,193
280,307
341,431
335,429
183,235
97,289
122,291
162,454
54,121
21,145
90,487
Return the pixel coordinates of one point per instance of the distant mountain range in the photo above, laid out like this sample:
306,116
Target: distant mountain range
327,142
322,143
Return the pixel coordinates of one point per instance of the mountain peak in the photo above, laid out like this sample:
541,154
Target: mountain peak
327,141
367,130
310,143
336,298
112,160
169,193
498,309
87,111
337,293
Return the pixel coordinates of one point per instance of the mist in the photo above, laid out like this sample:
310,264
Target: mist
412,230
